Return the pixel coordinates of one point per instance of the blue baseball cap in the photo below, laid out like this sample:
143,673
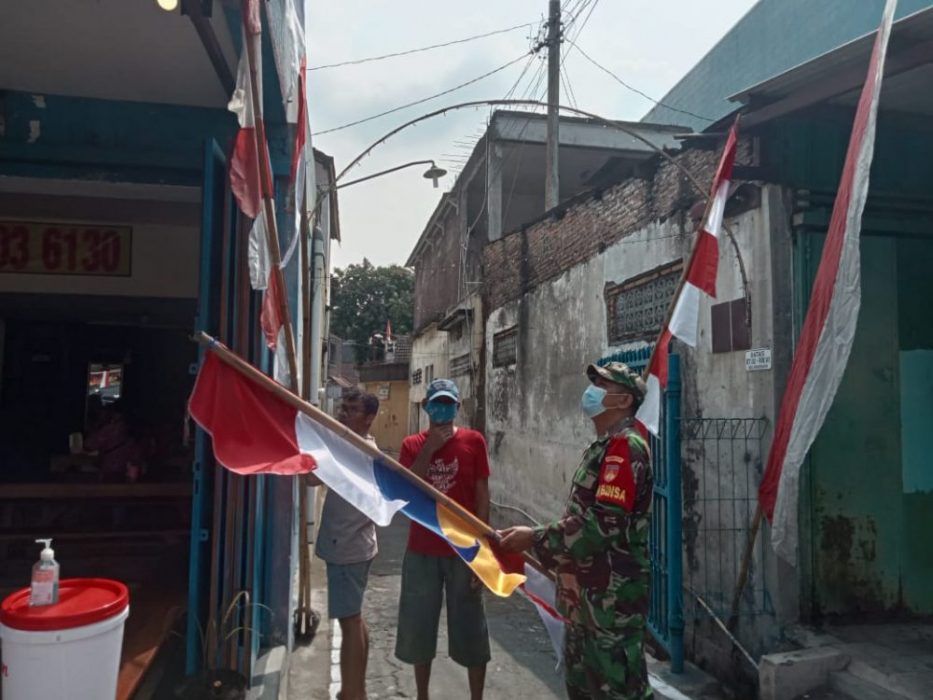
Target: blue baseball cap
440,388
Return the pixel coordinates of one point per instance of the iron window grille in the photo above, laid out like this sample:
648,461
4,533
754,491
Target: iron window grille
460,365
636,308
505,348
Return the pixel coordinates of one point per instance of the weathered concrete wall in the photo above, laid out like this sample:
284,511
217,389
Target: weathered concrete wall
534,425
468,340
433,352
437,271
722,460
428,354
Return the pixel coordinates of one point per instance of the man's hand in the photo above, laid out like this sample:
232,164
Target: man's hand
516,539
438,436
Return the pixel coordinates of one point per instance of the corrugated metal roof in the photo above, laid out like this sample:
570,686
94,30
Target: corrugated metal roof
912,30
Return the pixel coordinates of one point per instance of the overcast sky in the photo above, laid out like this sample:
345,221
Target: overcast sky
650,44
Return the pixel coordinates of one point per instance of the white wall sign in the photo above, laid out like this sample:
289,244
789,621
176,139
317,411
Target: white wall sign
756,360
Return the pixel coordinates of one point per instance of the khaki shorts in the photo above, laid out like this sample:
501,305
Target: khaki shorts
426,580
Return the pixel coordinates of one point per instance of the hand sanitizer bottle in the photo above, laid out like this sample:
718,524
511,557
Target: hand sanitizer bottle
44,586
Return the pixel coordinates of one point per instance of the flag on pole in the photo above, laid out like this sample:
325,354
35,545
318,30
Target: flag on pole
699,278
255,431
289,35
829,328
246,181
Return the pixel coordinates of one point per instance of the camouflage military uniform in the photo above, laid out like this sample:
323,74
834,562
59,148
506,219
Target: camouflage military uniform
599,550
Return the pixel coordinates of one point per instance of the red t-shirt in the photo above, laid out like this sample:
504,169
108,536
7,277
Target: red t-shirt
454,470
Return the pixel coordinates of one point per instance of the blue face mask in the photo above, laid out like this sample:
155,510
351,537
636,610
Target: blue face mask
592,401
441,412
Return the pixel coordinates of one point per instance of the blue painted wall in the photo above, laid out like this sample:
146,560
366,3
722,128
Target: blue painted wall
74,137
775,36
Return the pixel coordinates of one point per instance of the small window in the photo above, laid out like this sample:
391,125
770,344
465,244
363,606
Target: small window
460,365
636,308
429,374
730,324
505,348
416,377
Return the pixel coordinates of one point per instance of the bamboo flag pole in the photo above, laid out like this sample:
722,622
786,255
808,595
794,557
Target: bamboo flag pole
342,431
745,568
305,616
253,47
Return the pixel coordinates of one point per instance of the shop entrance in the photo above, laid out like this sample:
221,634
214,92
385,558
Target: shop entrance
95,371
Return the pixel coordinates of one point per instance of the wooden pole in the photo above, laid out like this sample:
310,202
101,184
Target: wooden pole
304,567
342,431
253,47
745,568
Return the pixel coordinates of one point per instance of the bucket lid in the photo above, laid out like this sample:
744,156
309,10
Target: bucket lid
81,602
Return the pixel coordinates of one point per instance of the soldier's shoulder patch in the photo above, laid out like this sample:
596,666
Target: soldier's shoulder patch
616,476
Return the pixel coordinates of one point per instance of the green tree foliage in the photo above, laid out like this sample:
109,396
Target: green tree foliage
364,297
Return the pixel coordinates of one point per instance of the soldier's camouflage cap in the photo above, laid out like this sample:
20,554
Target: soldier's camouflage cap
620,373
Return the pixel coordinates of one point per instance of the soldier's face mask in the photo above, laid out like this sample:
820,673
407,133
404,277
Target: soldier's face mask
592,401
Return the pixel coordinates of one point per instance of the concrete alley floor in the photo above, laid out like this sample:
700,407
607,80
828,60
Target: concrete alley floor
522,666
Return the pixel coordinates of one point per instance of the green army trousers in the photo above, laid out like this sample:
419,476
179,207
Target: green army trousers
599,665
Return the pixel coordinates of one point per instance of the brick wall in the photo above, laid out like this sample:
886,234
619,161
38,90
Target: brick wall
437,273
586,224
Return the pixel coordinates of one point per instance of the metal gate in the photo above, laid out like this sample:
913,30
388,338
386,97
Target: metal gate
665,614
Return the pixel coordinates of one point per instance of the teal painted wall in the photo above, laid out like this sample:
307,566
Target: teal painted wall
869,473
869,477
807,151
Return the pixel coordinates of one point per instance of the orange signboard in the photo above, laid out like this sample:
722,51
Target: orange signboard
35,248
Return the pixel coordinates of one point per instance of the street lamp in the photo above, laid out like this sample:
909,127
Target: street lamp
433,173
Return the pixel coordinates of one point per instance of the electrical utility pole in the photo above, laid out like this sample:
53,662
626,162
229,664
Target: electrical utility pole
552,183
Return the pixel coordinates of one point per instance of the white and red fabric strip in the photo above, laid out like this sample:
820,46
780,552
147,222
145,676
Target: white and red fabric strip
832,317
699,279
542,591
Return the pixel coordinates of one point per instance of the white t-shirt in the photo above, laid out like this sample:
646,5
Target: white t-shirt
346,536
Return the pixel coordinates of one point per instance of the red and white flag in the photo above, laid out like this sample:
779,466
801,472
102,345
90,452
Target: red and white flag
700,278
829,328
245,170
289,34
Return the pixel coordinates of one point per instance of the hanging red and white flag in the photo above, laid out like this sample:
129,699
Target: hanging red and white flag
245,174
288,31
245,171
832,317
700,278
250,182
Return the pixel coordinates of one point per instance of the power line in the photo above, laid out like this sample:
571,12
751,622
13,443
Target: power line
358,61
634,89
421,101
565,80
